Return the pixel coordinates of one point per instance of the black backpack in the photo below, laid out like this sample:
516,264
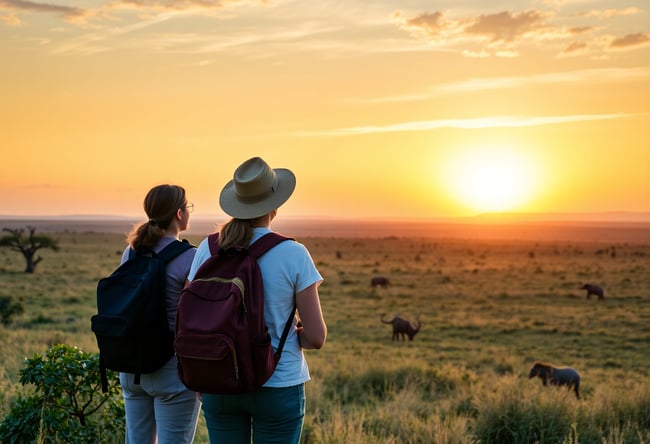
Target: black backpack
131,324
222,342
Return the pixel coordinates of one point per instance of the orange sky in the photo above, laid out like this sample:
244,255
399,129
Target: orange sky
382,109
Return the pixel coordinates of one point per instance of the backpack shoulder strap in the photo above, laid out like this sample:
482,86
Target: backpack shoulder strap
174,249
213,243
257,249
285,332
142,251
265,243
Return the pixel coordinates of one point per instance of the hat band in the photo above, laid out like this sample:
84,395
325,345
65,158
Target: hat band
253,199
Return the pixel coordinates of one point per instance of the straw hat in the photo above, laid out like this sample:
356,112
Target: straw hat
256,189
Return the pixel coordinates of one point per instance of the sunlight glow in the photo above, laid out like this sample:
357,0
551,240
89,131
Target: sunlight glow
491,179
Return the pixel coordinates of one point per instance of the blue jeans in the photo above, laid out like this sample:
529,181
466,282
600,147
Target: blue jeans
270,415
159,406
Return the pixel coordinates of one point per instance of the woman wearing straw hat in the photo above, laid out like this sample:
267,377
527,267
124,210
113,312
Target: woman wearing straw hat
273,413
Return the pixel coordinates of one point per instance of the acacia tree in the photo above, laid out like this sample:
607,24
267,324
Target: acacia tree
28,246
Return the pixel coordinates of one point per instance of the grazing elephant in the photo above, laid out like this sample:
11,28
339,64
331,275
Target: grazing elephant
379,281
556,376
402,327
595,290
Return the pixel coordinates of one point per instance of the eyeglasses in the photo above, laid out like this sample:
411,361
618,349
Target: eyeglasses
189,207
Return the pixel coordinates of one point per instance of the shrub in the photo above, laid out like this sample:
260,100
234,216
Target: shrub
615,416
509,416
9,308
66,404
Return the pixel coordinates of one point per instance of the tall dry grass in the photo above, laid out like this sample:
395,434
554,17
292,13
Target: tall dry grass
488,310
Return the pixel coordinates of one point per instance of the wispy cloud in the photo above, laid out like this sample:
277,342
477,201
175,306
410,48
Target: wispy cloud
475,123
81,16
178,5
505,33
67,12
587,76
229,36
95,42
630,41
611,13
10,19
498,30
575,47
506,26
264,28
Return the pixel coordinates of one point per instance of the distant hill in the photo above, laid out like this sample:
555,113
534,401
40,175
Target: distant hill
593,227
610,216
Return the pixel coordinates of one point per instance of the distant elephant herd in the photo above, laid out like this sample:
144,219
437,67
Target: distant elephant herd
548,373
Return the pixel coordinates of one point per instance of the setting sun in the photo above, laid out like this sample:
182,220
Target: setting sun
491,179
404,110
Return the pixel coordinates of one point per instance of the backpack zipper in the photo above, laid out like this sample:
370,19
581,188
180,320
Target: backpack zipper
237,281
234,356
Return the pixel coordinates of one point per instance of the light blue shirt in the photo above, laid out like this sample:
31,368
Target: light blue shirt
286,270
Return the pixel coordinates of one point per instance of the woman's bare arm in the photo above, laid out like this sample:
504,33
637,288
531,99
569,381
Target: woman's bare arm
313,331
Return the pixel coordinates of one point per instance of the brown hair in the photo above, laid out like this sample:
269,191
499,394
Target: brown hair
160,204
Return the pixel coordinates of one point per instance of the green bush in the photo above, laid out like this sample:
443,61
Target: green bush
614,416
66,404
8,309
380,384
511,416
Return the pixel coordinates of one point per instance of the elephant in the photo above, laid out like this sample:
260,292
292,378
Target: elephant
596,290
548,373
379,281
402,327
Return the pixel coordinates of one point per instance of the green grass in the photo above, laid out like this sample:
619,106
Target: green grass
488,310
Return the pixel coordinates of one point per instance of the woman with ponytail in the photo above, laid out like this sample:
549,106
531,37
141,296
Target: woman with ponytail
160,409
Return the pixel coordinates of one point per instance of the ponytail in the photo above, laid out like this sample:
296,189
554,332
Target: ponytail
235,232
145,235
160,204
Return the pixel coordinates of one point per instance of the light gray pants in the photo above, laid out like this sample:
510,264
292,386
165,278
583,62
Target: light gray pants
160,406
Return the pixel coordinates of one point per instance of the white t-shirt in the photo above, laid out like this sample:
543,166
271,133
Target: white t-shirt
286,270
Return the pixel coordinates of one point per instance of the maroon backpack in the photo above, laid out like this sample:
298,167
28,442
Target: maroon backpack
222,342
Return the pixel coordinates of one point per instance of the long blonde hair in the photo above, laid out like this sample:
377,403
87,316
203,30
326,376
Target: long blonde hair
237,232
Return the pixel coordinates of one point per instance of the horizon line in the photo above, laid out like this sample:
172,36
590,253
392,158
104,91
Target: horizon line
586,216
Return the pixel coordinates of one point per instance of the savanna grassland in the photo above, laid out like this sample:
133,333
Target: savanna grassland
488,309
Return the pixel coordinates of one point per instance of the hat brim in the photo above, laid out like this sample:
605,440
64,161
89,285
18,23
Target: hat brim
232,206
